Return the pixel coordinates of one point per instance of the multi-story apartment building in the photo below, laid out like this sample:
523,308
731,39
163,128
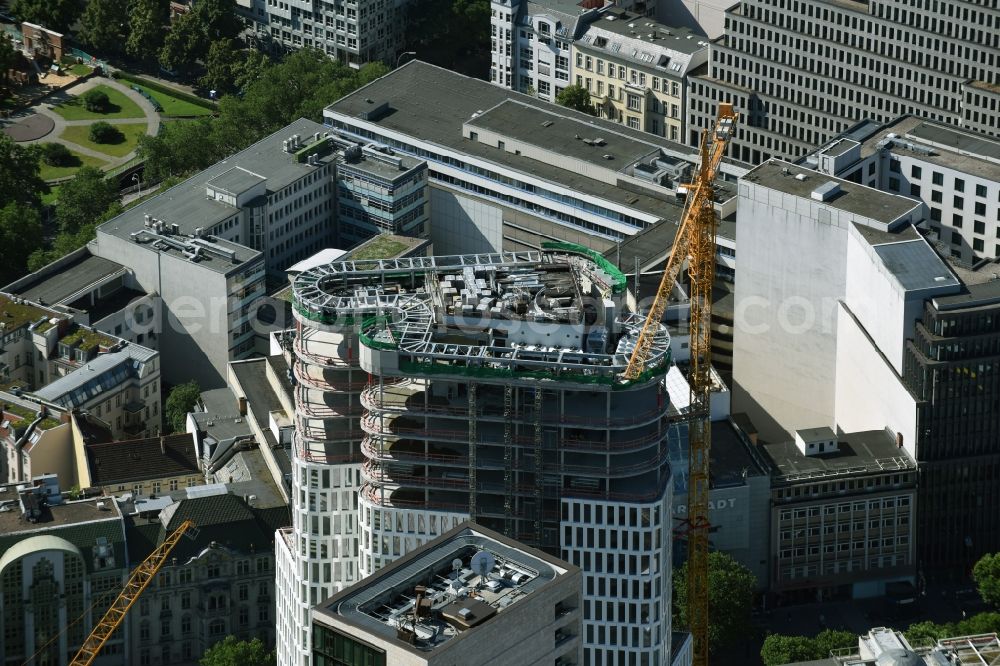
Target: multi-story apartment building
843,515
142,467
803,71
61,566
882,645
532,43
635,70
218,582
567,455
354,32
509,172
513,604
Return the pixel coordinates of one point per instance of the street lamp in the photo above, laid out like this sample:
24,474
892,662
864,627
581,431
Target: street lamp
138,183
404,53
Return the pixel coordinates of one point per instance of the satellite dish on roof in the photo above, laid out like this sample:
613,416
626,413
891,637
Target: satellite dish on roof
456,564
483,563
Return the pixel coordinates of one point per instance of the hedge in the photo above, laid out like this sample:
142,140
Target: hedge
166,90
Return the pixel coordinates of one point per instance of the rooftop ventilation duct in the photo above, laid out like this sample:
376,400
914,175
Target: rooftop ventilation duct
826,191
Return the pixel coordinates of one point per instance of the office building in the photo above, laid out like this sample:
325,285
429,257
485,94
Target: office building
508,172
480,598
956,173
569,457
803,71
905,340
59,561
354,33
843,511
796,222
218,582
636,70
887,646
947,332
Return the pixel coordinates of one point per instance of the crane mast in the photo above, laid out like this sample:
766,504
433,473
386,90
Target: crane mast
137,583
695,244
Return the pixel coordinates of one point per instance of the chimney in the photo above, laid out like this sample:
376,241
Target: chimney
163,445
899,440
243,406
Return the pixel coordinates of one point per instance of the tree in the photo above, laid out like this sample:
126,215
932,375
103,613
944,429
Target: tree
451,33
181,400
56,15
19,179
96,101
185,44
103,25
102,132
576,97
232,652
730,588
86,199
55,154
986,573
223,62
779,649
833,639
218,19
20,235
147,20
8,56
251,69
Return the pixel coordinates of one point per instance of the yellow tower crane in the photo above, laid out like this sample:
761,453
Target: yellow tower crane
695,243
137,583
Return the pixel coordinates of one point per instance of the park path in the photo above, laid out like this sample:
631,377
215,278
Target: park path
151,119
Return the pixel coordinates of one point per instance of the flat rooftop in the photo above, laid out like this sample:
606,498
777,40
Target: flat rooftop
186,205
949,147
636,33
431,104
460,597
15,313
80,275
386,246
853,198
731,461
59,515
868,452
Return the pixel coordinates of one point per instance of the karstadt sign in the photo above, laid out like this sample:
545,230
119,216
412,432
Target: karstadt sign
713,505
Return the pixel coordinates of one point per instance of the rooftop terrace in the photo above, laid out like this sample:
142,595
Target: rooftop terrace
859,453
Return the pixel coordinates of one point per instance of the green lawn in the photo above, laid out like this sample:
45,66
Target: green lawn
380,247
50,172
80,70
52,196
172,106
80,135
121,107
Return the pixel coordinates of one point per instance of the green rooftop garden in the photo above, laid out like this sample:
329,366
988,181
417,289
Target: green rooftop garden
380,247
29,415
87,339
15,315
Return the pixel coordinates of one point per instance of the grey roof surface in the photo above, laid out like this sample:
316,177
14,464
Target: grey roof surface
626,37
236,180
431,104
81,523
185,204
953,148
397,577
815,433
858,452
730,457
222,427
915,265
100,369
142,459
374,166
261,398
853,198
70,279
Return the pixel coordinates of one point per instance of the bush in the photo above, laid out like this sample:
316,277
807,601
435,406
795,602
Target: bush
55,154
96,101
102,132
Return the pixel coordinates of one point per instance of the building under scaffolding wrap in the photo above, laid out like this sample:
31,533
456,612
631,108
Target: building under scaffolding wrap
432,390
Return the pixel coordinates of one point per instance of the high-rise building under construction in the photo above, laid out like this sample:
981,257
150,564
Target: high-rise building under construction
432,390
